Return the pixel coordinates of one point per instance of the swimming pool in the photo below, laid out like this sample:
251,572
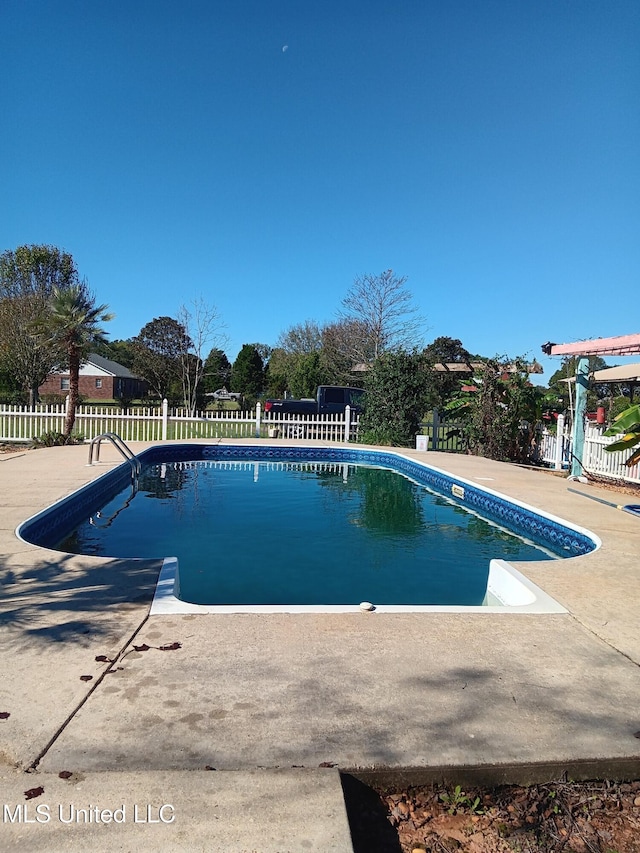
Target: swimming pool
340,472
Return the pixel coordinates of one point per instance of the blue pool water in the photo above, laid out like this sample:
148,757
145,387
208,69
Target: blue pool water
301,532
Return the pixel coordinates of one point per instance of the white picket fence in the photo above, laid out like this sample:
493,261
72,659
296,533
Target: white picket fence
24,423
556,451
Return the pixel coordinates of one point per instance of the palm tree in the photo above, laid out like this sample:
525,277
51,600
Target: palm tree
72,323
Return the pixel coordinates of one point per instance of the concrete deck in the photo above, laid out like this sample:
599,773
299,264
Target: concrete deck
275,703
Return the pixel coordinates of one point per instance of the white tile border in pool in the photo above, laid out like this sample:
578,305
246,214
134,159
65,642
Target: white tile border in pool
515,592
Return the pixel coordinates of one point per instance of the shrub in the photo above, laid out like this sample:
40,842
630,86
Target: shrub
52,399
398,392
52,438
499,410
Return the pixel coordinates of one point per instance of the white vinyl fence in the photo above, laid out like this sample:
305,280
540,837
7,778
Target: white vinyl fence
24,423
556,451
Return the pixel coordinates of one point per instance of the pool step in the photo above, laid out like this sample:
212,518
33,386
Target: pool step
267,811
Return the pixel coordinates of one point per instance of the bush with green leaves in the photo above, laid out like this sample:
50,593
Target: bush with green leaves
500,412
52,438
398,392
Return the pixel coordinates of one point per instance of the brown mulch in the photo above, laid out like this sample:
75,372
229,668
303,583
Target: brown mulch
581,817
617,486
622,486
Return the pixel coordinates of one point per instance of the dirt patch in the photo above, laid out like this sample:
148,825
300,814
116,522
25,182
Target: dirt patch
12,448
585,817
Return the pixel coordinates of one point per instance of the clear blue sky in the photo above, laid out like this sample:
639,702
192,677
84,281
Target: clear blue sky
486,149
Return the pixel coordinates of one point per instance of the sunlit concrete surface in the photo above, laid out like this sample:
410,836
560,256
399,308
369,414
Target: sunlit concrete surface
250,693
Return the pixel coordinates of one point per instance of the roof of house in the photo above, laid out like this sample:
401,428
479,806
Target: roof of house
109,366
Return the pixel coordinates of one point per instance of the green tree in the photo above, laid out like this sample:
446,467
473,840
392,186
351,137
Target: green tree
217,370
72,323
10,390
120,351
445,350
306,376
36,270
28,276
398,392
158,349
247,374
288,361
276,373
301,339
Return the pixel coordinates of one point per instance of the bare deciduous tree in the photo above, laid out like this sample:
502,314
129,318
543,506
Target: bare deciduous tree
344,350
384,309
204,328
301,339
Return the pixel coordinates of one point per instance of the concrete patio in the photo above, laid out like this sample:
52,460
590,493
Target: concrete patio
243,726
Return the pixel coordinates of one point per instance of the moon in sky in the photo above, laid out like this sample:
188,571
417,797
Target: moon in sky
285,48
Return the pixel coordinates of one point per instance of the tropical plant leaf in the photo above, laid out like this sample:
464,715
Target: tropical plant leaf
633,459
627,421
629,440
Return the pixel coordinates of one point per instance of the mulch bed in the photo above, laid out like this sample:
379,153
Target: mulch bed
620,486
582,817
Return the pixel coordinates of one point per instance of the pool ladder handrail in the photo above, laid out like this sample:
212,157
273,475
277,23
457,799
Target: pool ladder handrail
119,444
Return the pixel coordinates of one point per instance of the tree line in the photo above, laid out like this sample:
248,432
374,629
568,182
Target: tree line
182,358
49,320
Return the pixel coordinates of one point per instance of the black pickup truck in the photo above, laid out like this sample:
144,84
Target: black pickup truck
331,399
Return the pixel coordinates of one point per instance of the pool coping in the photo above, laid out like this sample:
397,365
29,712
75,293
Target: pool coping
506,584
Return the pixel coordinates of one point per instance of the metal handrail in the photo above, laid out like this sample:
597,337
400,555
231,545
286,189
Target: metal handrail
119,444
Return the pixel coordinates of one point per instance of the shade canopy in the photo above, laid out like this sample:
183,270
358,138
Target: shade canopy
624,373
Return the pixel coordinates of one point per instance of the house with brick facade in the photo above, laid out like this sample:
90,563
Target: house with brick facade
100,379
